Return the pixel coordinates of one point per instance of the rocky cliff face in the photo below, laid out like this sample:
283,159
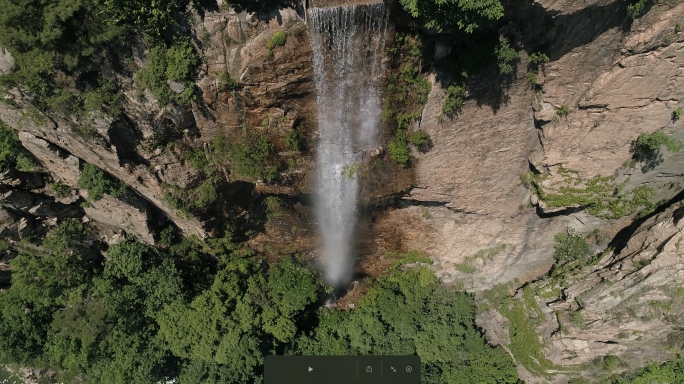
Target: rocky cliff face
617,79
630,302
275,87
609,80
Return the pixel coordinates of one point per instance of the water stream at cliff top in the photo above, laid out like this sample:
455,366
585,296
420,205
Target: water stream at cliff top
348,43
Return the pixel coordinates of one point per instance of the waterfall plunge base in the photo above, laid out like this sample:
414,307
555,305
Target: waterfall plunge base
348,46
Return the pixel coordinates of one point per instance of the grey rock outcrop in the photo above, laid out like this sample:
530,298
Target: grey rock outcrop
6,61
63,166
129,213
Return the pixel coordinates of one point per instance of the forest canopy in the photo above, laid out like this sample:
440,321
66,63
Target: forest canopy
143,314
59,46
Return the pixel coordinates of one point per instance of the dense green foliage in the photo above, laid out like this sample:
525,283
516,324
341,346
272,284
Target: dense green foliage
442,15
13,154
410,312
152,16
97,182
206,314
60,46
398,151
43,37
569,246
407,93
176,63
253,157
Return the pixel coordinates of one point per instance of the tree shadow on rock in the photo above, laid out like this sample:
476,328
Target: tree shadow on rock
530,27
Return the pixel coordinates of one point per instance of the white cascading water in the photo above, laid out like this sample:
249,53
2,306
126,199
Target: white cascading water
348,43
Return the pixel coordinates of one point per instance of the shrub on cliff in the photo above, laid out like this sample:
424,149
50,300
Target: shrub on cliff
636,7
176,63
569,246
647,148
455,97
399,151
97,182
278,39
505,57
253,157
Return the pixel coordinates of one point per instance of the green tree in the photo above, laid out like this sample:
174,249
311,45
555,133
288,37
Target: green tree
292,289
65,35
42,282
409,312
152,16
12,153
177,63
569,246
254,157
221,325
97,182
442,15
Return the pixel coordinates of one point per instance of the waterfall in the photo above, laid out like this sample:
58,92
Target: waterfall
348,43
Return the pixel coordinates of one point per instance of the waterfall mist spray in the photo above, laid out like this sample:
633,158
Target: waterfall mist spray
348,45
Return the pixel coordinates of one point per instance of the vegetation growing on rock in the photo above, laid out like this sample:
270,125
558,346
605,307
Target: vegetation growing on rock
98,183
12,154
505,55
278,39
176,63
646,149
407,92
600,195
569,247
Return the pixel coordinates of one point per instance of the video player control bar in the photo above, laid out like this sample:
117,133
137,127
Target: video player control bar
342,369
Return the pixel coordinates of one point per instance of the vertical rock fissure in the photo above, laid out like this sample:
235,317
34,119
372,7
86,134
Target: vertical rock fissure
348,45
